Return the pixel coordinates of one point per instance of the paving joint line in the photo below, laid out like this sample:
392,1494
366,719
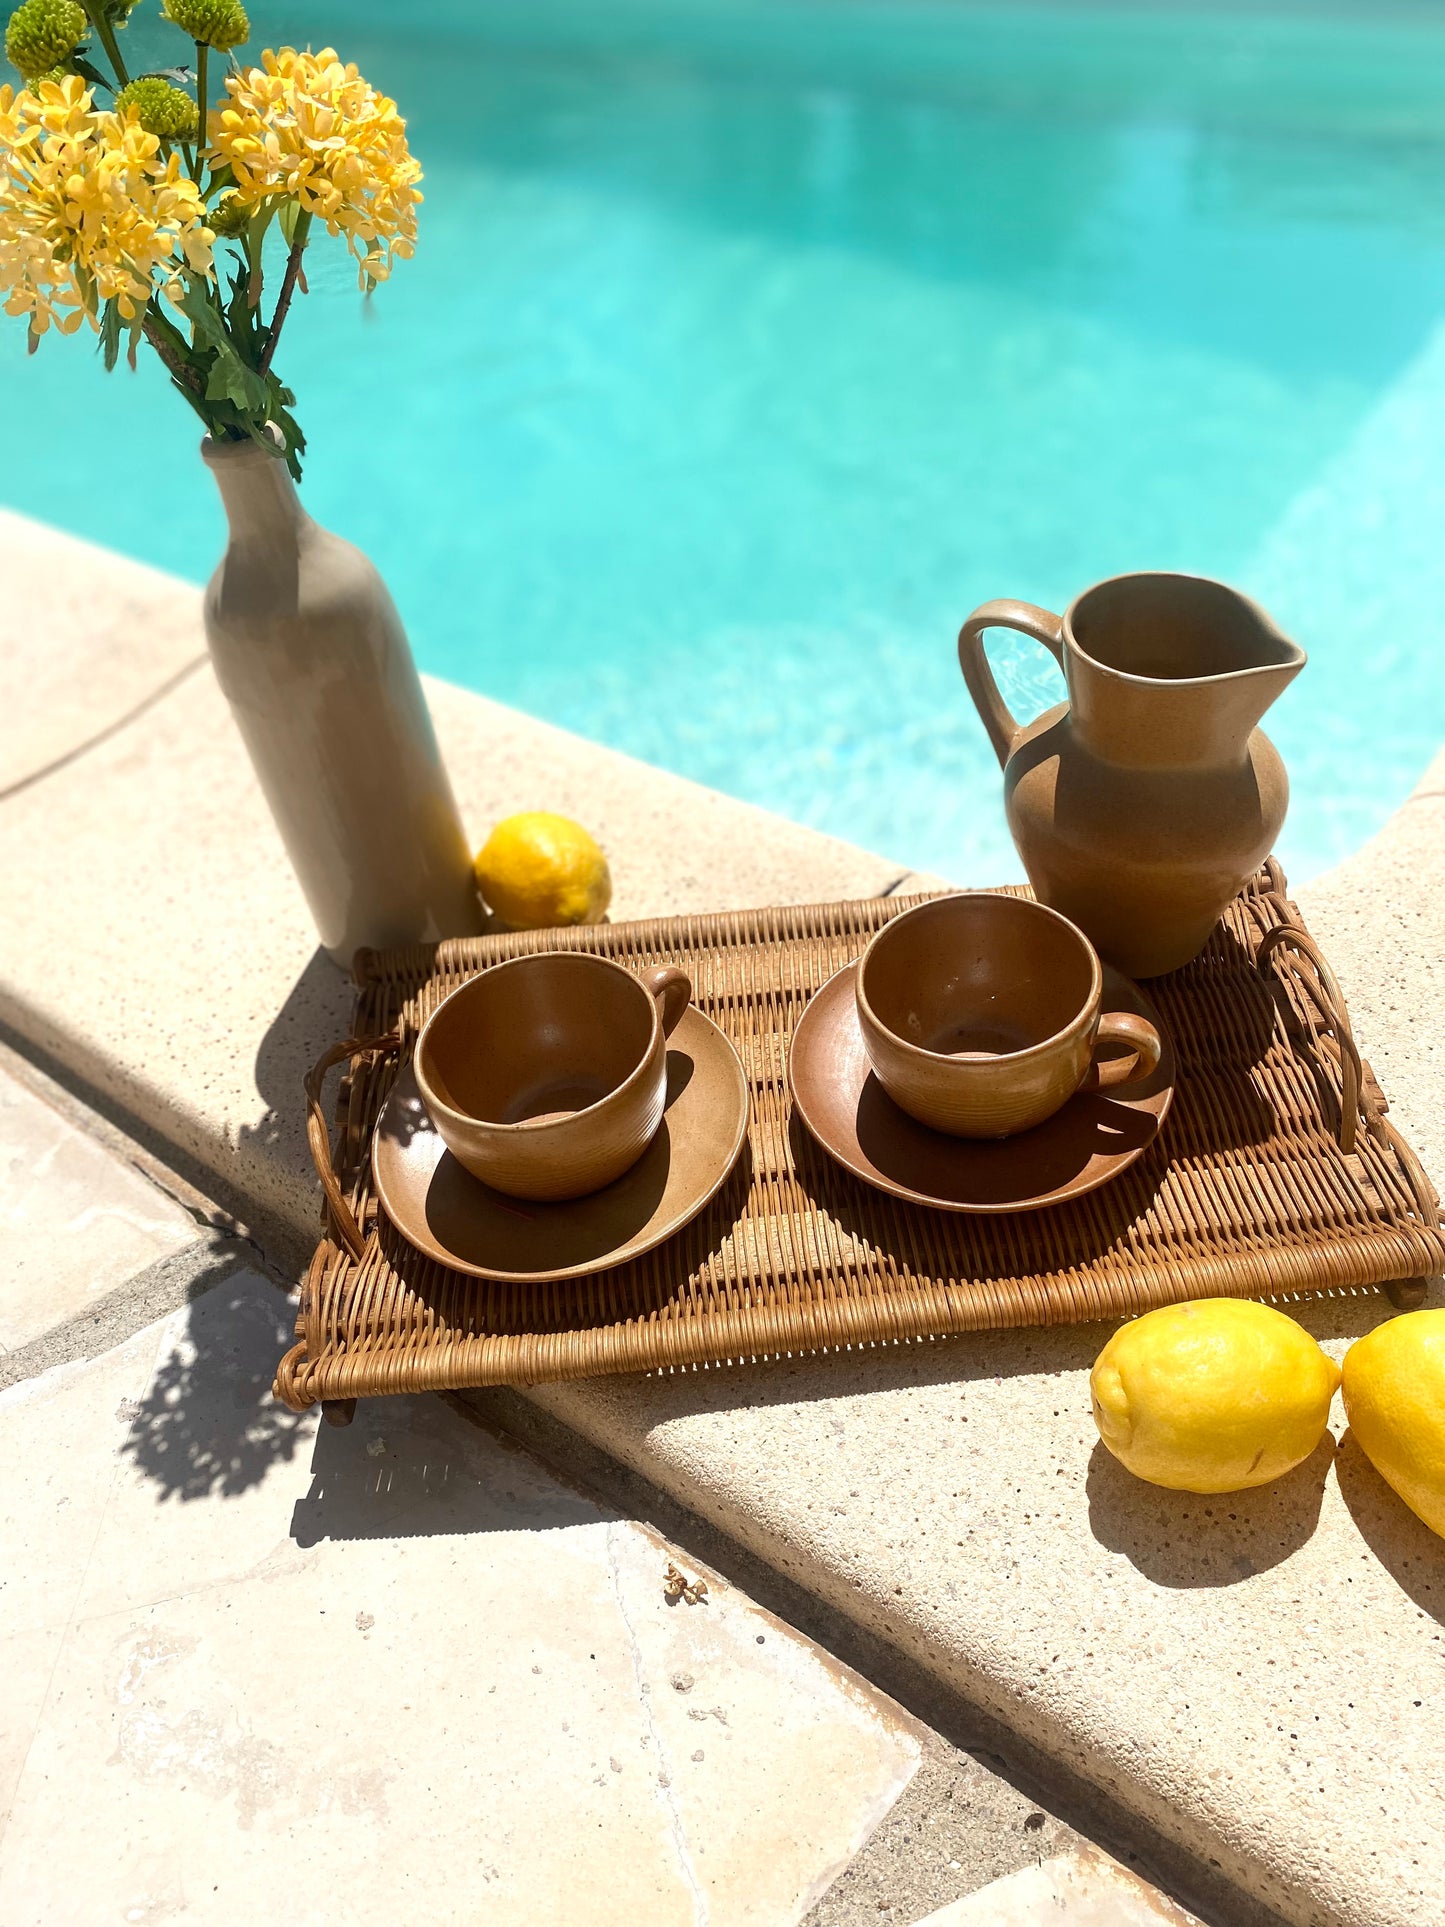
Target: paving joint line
662,1779
132,715
1084,1807
153,1292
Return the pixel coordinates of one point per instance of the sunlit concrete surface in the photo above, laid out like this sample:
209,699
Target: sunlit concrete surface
1262,1682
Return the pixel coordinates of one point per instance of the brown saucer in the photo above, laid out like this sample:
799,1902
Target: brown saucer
463,1223
1092,1139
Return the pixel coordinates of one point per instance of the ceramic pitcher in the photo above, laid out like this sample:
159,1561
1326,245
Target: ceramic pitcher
311,655
1142,804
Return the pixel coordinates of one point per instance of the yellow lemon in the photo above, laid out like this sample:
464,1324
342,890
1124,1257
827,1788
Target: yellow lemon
1212,1396
1395,1402
537,869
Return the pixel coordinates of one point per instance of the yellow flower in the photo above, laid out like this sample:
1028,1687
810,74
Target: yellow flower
89,210
304,128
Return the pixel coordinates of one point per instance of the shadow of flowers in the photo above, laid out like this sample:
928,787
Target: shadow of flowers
208,1425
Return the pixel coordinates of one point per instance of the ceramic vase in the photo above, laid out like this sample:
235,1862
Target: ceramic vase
310,652
1142,805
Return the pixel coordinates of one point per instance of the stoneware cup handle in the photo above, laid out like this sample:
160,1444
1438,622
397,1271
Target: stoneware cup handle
1000,722
1123,1027
673,991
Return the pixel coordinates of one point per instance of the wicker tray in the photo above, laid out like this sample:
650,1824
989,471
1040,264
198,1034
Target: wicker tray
1277,1173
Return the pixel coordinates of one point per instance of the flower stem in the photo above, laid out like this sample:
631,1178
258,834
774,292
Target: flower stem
105,33
202,54
181,372
288,288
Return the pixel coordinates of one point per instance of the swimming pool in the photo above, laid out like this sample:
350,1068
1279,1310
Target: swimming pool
750,345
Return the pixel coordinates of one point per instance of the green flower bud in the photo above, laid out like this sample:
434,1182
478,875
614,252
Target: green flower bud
218,23
229,215
163,109
117,12
42,36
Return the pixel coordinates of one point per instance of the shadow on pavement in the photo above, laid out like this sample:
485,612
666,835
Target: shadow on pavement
1404,1545
209,1428
1188,1539
207,1425
411,1466
316,1013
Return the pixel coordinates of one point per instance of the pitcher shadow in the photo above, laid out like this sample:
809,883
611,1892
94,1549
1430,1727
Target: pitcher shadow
1188,1540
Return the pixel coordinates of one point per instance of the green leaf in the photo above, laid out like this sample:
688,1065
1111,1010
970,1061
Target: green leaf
228,377
200,310
93,74
110,327
290,215
85,282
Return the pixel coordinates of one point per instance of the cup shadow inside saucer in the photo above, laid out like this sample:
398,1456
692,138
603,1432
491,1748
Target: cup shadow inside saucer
477,1225
997,1171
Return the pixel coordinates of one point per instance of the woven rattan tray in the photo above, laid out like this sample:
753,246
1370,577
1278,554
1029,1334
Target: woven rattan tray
1277,1173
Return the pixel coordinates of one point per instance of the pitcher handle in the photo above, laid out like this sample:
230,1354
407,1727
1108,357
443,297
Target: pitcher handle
998,719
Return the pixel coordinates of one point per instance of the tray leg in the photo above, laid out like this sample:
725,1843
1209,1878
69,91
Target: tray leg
341,1411
1403,1293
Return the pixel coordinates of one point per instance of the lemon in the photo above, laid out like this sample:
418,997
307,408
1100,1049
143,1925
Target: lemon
1212,1396
537,869
1395,1402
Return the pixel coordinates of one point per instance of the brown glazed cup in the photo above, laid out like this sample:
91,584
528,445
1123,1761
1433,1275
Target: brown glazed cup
980,1015
546,1076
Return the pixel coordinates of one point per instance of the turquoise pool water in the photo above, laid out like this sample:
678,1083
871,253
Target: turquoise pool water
750,345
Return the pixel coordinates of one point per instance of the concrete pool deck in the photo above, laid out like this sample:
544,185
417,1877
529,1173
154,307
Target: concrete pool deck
1263,1683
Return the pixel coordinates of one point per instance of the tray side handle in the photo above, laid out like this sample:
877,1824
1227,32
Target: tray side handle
1329,1001
1361,1097
341,1219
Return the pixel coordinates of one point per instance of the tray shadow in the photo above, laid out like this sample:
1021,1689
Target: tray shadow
409,1468
207,1426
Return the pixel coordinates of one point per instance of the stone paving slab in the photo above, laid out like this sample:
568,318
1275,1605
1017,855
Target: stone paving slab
393,1672
1079,1889
75,1222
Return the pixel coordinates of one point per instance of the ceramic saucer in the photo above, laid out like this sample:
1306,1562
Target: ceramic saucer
1091,1140
460,1222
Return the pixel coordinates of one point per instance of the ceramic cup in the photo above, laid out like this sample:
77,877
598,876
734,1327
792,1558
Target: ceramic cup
980,1015
546,1076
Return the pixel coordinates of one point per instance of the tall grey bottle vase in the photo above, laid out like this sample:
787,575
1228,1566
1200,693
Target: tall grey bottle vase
312,657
